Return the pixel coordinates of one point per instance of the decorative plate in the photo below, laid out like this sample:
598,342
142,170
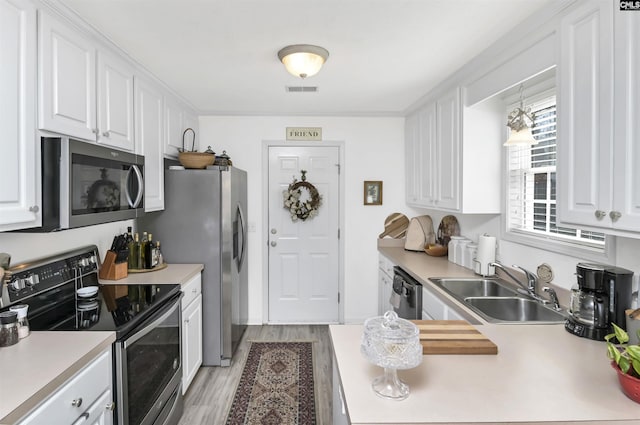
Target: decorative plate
448,227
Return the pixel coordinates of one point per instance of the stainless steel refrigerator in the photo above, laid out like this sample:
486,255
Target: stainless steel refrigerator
204,221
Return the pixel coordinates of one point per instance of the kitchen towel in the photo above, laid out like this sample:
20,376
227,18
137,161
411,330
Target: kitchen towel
486,255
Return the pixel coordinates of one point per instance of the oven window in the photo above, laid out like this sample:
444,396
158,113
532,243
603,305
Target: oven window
151,363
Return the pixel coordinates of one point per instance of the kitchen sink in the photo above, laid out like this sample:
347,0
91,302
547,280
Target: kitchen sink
497,301
470,287
513,309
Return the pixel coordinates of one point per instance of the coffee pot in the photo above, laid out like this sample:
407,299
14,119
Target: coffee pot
601,296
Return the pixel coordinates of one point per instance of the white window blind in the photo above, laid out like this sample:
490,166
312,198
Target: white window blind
531,191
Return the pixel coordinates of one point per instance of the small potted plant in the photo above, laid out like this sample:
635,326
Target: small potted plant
626,361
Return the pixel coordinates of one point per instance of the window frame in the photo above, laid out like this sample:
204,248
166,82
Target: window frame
578,249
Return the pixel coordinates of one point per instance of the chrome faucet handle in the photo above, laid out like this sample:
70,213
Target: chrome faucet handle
553,296
531,278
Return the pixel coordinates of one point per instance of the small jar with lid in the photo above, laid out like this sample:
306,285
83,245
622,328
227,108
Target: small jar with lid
451,247
470,255
461,248
8,328
23,322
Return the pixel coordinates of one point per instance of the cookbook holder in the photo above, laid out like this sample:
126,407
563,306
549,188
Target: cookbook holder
111,270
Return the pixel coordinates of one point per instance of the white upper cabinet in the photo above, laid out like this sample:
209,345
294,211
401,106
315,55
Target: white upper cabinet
626,188
67,77
411,149
447,151
149,118
598,106
178,117
453,165
115,102
19,172
85,92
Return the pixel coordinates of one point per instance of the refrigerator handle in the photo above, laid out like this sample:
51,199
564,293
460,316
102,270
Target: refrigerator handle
242,234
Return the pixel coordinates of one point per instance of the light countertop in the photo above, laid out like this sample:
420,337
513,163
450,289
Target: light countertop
36,366
173,273
540,374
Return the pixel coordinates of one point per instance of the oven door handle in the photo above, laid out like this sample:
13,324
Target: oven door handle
158,318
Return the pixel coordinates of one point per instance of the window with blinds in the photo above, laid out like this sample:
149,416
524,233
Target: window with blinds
531,189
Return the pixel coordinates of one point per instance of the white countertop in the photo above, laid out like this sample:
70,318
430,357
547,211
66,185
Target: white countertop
37,365
540,374
173,273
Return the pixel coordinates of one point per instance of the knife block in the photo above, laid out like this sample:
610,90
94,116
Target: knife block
111,270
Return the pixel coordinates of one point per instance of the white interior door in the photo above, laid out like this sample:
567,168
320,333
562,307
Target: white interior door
304,255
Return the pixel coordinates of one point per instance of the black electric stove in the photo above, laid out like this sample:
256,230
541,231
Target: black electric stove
60,293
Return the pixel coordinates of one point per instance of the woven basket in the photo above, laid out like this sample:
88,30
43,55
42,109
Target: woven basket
196,159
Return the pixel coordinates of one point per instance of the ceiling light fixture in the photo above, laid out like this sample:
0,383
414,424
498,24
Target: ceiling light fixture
303,60
520,133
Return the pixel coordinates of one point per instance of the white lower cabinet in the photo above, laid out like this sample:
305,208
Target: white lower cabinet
191,330
385,284
433,308
340,416
87,398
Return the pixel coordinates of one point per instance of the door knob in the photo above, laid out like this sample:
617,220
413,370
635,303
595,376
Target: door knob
106,134
274,243
600,214
614,215
274,231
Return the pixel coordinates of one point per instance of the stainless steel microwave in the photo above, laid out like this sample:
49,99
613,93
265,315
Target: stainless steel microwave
85,184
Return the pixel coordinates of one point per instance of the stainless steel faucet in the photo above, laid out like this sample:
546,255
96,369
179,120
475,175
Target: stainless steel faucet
553,297
530,286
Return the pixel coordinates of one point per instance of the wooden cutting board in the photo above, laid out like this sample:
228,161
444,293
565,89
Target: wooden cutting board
395,226
453,337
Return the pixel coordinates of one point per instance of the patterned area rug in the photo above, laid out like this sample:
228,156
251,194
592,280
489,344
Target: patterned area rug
276,387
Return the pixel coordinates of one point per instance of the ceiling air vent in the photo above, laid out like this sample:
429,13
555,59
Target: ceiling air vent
301,89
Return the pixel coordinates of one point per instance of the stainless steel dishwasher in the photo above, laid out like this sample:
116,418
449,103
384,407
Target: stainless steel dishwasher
409,292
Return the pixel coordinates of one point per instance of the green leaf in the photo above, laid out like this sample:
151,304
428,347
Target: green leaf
609,336
612,352
634,351
624,364
636,365
621,335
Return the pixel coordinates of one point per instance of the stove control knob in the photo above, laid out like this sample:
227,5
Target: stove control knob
32,280
17,284
84,262
93,259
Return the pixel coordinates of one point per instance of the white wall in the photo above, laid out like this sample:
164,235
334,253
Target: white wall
29,246
374,150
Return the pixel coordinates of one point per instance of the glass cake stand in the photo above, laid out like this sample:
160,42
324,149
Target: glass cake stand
391,343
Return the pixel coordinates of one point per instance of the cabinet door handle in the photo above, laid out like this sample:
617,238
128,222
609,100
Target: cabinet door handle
111,406
34,209
600,214
77,402
615,215
274,243
106,134
85,415
95,131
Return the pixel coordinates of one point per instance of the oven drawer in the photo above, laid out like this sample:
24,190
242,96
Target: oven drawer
191,290
82,390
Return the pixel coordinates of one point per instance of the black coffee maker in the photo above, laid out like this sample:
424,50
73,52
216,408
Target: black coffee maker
601,297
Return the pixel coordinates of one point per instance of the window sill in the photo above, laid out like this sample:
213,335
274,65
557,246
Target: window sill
565,247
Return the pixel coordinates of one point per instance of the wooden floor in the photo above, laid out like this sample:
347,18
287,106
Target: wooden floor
211,392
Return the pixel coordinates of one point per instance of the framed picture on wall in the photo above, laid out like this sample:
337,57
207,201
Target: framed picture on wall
373,193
